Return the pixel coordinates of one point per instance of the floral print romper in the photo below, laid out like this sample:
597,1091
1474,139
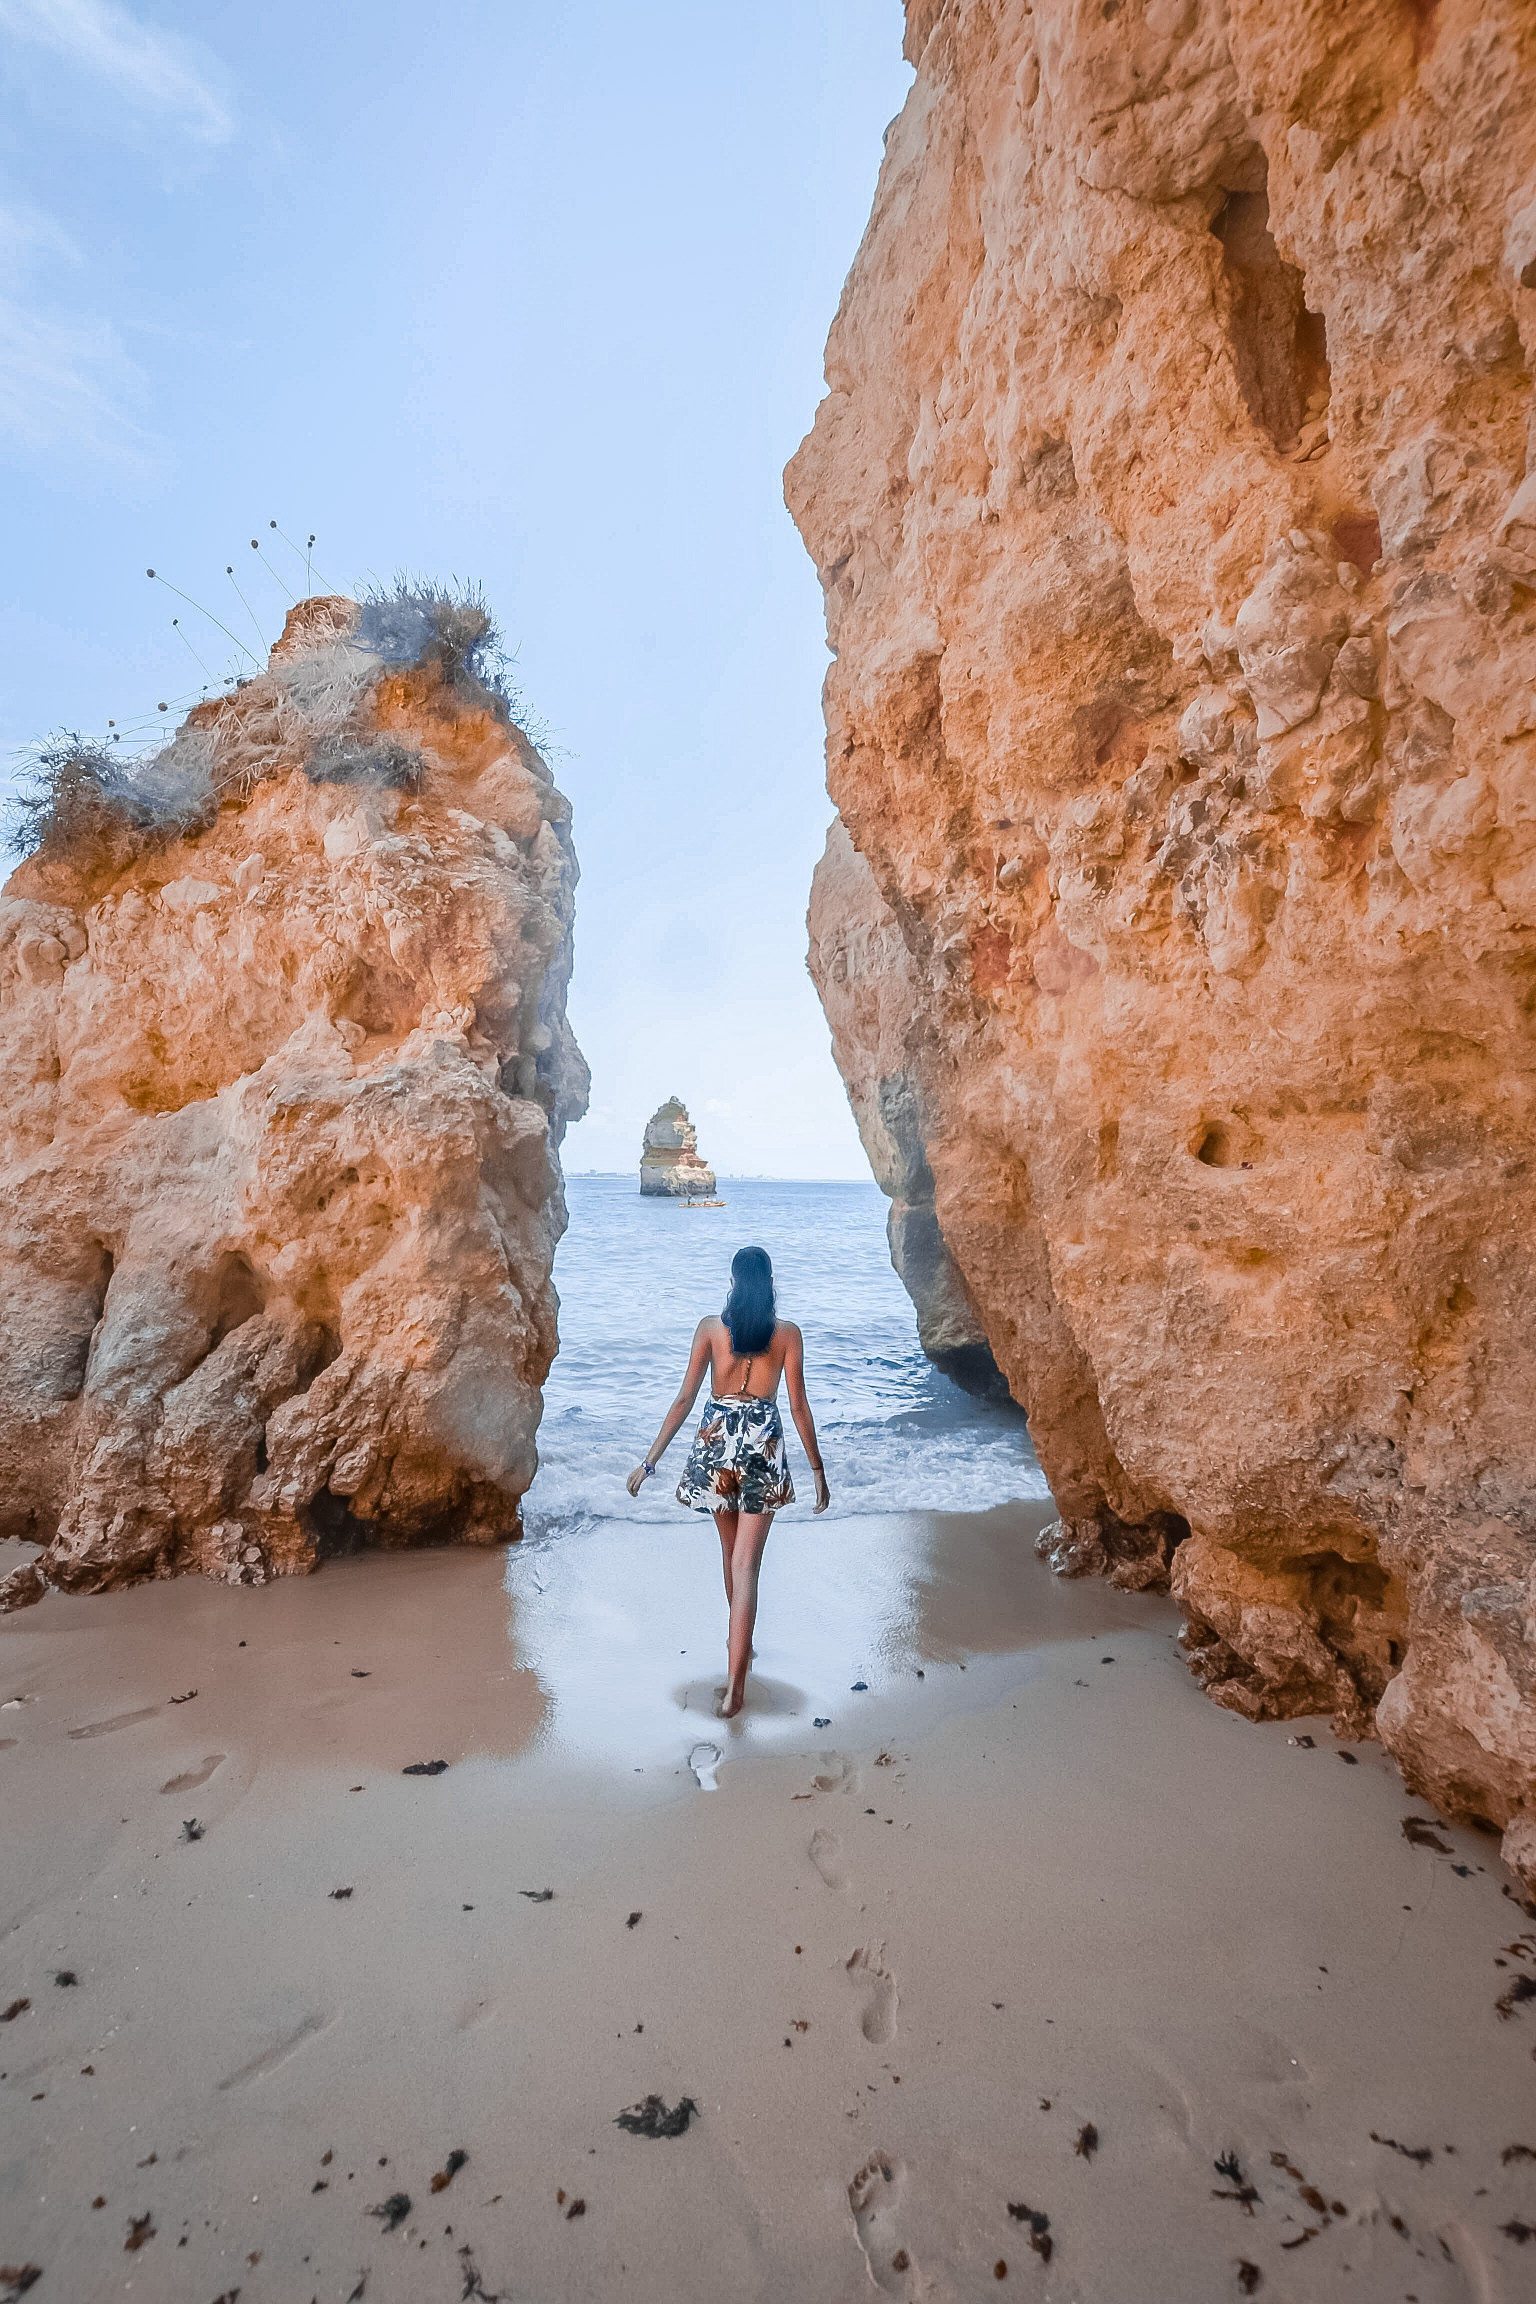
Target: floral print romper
737,1462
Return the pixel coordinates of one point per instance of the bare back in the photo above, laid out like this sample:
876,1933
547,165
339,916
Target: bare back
744,1375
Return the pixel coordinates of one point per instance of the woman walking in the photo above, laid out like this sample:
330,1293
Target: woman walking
736,1468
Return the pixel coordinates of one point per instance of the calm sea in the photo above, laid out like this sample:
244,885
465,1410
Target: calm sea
636,1275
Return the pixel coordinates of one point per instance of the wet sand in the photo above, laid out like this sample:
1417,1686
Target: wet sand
1028,1959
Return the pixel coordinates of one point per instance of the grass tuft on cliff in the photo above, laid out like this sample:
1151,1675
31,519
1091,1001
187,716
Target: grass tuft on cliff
355,760
81,792
83,795
414,621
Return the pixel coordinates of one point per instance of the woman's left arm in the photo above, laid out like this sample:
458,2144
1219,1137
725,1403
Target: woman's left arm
698,1362
800,1409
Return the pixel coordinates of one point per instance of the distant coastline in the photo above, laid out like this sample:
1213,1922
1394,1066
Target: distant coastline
622,1176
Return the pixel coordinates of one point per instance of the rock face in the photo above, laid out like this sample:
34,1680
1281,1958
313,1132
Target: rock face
872,993
669,1159
1175,506
286,1059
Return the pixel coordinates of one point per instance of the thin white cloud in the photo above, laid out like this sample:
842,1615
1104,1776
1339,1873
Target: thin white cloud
66,382
70,384
27,234
147,68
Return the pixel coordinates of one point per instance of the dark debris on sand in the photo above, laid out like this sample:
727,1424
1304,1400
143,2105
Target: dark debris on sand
140,2229
1420,1831
1423,2153
16,2279
425,1768
65,1977
191,1829
474,2290
1039,2228
1523,1988
339,1895
16,2008
1248,2276
450,2168
1087,2141
1244,2193
653,2119
537,1895
1516,2230
393,2212
634,1920
1516,2152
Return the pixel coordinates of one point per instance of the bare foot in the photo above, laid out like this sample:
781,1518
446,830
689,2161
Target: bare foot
731,1701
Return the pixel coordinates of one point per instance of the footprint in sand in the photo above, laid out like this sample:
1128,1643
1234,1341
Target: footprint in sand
826,1853
704,1759
869,1972
837,1774
194,1777
875,2199
118,1720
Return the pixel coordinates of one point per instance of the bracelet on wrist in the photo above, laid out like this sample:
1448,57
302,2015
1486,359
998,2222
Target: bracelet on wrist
648,1469
821,1468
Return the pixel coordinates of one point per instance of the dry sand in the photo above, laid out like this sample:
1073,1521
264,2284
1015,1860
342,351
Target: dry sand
1015,1896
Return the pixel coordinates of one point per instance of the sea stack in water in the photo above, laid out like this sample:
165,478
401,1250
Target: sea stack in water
669,1159
282,1024
1174,505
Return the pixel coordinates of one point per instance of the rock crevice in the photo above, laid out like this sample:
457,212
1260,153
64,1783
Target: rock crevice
1175,506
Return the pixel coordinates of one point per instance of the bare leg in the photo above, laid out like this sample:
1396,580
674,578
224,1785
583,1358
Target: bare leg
746,1558
726,1523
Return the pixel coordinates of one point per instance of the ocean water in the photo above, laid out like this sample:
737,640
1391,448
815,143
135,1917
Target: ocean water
636,1275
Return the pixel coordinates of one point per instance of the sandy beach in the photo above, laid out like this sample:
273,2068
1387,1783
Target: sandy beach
1029,1968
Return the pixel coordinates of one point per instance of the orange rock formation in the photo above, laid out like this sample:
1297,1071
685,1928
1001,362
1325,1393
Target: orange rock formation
278,1186
1175,506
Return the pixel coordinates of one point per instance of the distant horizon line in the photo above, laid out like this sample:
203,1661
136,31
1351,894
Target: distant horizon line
757,1176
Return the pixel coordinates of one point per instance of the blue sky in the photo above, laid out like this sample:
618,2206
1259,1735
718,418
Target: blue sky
532,294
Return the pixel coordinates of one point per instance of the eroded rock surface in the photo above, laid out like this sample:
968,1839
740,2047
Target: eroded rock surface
1174,503
279,1192
872,993
670,1162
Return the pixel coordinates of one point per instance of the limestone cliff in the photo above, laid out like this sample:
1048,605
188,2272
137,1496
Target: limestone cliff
282,1024
872,993
670,1164
1175,505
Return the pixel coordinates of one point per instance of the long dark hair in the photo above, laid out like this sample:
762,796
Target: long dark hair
749,1309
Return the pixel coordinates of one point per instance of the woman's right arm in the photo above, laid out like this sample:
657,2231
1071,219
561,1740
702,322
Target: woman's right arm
800,1409
698,1362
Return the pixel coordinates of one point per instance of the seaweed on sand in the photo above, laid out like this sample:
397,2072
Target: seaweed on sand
653,2118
